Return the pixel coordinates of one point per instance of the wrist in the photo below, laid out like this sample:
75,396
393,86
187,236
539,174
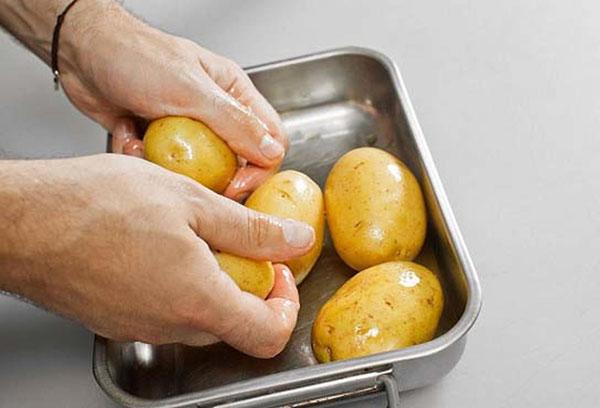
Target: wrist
32,22
83,24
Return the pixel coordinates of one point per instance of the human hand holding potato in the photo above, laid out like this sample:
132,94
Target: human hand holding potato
127,246
185,87
120,244
127,69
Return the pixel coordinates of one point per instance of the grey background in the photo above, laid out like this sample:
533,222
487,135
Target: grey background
508,95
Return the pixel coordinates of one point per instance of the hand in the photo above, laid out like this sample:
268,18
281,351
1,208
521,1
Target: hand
125,68
121,245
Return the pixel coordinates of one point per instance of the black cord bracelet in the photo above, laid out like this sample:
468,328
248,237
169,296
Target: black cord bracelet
54,49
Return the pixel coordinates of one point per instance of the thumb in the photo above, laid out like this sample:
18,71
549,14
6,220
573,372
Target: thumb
241,129
260,328
239,114
231,227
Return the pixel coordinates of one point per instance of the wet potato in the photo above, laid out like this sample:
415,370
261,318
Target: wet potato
291,194
386,307
256,277
189,147
375,209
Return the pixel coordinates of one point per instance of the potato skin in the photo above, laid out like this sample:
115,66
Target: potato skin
189,147
291,194
256,277
375,209
386,307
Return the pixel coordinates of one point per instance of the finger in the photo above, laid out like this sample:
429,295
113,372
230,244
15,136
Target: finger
122,133
254,326
244,91
230,77
201,339
134,147
285,285
278,319
243,131
246,180
231,227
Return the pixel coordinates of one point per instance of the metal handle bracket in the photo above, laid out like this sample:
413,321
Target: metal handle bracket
333,390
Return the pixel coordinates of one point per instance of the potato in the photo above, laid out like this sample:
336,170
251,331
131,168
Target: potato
189,147
386,307
375,209
256,277
291,194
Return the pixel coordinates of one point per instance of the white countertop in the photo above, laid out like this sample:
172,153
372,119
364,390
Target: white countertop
508,95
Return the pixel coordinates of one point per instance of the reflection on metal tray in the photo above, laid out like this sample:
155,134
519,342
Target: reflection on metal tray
330,103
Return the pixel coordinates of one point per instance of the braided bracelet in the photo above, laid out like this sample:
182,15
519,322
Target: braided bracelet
54,49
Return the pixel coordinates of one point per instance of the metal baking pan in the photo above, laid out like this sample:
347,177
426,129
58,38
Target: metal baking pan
330,102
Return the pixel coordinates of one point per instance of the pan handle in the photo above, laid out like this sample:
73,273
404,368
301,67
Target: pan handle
391,389
334,390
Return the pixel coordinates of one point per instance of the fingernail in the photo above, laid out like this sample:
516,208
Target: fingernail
287,302
287,274
239,183
296,234
241,197
270,148
134,148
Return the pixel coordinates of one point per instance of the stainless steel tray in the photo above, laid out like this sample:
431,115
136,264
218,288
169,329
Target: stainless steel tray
330,103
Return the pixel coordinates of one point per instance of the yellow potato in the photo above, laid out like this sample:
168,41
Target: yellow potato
256,277
189,147
375,209
386,307
291,194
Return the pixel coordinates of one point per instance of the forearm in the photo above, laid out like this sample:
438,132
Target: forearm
15,220
32,23
33,197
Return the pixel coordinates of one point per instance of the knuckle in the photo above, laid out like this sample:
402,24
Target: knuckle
258,228
276,345
231,67
268,352
189,315
215,102
187,186
152,338
198,311
186,44
226,327
120,337
283,139
215,218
